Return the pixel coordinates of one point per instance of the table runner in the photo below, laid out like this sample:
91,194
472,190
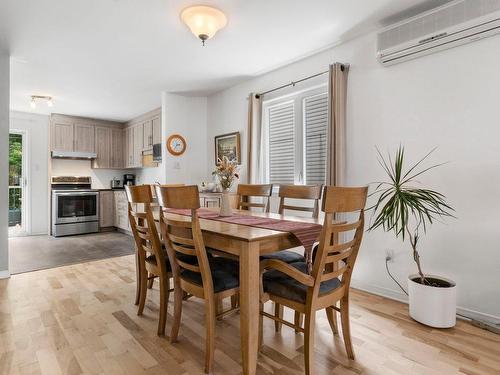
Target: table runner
305,233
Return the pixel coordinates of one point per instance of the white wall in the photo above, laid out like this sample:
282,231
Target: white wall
100,177
36,130
4,161
186,116
450,100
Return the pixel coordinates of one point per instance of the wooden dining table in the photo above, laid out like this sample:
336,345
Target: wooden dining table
247,243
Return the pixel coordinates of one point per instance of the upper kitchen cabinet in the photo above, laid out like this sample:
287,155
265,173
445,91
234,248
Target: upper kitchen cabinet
156,121
84,137
117,148
109,147
141,133
102,147
147,131
69,135
62,136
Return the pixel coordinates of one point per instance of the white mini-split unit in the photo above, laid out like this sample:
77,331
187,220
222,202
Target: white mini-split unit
450,25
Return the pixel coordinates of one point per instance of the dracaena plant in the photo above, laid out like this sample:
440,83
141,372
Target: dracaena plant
403,208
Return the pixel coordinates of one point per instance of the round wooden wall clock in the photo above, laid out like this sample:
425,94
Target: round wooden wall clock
176,144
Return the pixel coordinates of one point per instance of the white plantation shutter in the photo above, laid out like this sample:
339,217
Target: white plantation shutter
281,144
315,123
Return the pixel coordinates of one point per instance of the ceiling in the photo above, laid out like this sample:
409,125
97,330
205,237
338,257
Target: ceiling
111,59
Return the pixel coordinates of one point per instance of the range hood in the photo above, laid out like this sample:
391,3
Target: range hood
73,155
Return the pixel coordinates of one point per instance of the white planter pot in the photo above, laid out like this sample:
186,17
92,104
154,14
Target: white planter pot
433,306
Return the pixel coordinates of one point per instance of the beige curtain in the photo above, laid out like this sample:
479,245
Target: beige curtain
337,98
254,139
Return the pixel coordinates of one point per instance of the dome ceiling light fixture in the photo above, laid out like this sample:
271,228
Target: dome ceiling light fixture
34,98
204,21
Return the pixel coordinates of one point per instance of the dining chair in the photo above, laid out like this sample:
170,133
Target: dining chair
286,193
143,199
210,278
247,191
291,286
152,260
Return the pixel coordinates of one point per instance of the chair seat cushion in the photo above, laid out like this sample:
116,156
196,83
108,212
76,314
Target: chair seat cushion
285,256
225,274
279,284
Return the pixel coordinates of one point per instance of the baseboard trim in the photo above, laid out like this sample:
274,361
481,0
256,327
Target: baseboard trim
4,274
399,296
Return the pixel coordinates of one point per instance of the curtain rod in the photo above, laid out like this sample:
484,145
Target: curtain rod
293,83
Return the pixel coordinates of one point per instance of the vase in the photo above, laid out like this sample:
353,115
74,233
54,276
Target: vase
433,305
225,205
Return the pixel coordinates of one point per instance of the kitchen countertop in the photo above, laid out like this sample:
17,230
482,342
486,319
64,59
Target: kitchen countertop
109,189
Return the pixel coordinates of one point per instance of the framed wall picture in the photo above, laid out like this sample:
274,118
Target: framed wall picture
228,145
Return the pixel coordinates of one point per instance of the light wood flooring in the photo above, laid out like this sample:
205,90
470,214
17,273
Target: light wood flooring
80,319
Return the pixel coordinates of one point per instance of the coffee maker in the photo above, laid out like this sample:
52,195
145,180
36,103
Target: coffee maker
128,179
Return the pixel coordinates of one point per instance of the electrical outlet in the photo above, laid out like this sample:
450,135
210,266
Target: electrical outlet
389,255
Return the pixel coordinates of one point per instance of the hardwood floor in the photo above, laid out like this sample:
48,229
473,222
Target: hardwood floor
80,319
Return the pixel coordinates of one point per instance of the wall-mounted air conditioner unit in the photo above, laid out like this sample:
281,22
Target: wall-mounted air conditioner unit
450,25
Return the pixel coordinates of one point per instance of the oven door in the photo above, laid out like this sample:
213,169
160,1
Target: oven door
75,206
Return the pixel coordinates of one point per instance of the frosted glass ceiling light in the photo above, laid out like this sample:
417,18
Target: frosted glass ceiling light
204,21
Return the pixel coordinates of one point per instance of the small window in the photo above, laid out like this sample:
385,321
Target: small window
296,129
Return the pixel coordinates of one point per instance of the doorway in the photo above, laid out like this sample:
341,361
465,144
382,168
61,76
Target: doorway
17,184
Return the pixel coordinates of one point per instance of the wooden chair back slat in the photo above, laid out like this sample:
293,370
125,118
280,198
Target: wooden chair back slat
178,223
330,252
182,249
139,194
352,199
333,274
341,247
309,192
181,240
188,266
338,257
248,191
144,236
184,237
179,197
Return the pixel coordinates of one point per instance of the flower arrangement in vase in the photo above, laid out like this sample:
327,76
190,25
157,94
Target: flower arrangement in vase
227,171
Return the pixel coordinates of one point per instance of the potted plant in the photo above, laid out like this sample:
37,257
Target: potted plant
227,172
407,210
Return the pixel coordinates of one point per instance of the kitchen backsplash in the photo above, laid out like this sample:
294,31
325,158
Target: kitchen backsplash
100,177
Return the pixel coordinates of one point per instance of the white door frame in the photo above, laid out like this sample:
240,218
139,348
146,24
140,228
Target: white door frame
25,184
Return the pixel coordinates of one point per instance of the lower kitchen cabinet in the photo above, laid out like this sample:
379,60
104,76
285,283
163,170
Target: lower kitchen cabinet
121,210
106,209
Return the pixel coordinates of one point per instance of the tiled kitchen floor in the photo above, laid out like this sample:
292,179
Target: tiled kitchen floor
40,252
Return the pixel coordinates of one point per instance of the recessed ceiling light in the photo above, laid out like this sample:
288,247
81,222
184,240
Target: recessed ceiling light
204,21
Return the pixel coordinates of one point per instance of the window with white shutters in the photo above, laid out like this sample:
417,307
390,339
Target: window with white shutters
315,124
296,132
281,144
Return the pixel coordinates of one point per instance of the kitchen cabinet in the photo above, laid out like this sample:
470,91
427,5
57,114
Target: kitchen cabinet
137,145
102,147
147,134
117,148
68,136
62,136
106,208
133,146
156,121
121,210
83,137
129,147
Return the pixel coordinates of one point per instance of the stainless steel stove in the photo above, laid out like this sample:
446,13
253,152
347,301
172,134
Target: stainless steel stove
75,206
